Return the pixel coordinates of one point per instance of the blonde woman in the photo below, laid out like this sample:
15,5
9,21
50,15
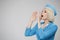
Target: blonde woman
47,30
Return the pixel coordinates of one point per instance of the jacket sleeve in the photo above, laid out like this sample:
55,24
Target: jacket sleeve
30,32
46,34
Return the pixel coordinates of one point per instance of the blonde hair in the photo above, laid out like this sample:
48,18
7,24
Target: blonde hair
50,13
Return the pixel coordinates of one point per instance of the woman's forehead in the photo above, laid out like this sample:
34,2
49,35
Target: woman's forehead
46,9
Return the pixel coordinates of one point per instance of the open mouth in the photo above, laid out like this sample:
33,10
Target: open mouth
41,15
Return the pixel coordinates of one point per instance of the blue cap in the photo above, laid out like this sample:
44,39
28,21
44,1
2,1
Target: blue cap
53,8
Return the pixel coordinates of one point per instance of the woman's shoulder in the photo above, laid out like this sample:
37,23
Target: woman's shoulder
54,25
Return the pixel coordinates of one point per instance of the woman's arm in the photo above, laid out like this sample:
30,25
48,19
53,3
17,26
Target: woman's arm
46,34
29,31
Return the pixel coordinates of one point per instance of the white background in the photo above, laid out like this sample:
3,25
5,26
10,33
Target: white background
14,14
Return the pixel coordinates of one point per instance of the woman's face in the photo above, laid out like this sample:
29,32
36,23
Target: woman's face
44,14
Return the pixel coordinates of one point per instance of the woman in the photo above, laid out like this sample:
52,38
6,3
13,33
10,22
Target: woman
48,29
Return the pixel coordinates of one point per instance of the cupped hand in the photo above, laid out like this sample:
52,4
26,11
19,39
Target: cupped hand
34,16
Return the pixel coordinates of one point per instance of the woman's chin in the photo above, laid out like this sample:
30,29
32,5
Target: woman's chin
42,19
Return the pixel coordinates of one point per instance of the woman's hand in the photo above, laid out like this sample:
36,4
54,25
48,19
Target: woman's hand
32,18
39,19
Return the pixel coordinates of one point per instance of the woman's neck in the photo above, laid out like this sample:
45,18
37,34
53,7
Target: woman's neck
45,23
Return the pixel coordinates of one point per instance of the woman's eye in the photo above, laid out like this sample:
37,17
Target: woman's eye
45,11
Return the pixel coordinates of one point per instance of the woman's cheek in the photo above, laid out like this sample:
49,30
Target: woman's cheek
45,16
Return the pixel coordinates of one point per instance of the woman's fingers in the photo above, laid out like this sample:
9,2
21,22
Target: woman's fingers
34,15
39,16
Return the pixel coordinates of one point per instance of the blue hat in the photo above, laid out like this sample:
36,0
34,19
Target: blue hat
53,8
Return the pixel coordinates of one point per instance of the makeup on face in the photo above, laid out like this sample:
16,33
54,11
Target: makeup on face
43,12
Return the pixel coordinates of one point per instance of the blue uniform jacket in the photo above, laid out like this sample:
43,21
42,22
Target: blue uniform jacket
47,33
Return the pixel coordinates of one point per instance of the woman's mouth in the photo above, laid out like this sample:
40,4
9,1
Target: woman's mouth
41,15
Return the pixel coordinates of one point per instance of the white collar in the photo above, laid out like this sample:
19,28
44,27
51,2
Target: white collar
45,25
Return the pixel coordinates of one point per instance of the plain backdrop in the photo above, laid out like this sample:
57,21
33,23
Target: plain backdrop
14,14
